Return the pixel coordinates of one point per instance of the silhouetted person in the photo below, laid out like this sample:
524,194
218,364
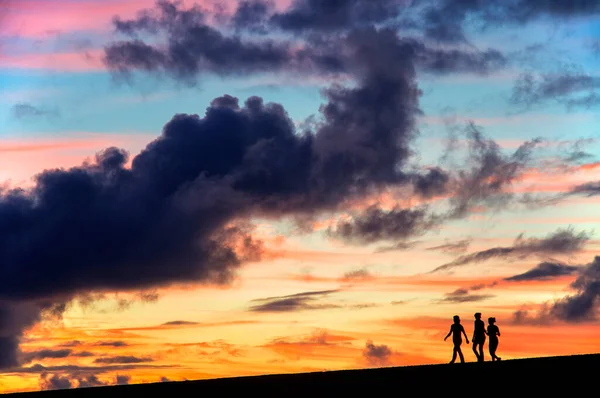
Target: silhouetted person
478,337
493,331
457,330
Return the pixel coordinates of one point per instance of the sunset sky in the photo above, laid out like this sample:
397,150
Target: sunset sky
218,188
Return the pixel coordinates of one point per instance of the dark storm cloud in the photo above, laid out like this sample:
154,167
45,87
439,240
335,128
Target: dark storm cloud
377,355
569,86
294,302
445,20
375,225
122,359
545,270
317,15
562,241
253,15
454,248
193,47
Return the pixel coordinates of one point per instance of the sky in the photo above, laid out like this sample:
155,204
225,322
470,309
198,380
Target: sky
208,189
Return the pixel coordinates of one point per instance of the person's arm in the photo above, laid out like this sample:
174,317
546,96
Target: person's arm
449,333
498,329
465,333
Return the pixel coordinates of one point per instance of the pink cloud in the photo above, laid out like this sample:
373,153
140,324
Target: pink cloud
68,62
57,152
38,18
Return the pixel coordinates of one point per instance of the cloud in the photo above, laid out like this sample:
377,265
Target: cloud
253,15
122,359
464,296
57,382
488,174
193,47
76,369
588,189
562,241
377,355
375,224
445,20
569,86
577,307
545,270
583,305
358,274
293,302
398,246
30,356
46,353
315,15
453,248
27,111
179,323
115,344
54,382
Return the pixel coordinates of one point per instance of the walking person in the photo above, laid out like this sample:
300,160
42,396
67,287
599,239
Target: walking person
478,337
457,330
494,332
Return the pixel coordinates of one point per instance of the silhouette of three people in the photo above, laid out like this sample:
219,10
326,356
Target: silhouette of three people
479,337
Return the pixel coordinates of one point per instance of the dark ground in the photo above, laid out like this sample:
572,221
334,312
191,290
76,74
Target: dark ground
509,378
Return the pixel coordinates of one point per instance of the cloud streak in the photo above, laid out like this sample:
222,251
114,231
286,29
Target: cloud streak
562,241
294,302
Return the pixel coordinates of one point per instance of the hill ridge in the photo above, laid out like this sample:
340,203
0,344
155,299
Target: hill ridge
539,375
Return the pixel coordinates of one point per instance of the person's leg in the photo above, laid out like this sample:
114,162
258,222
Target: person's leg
460,354
475,350
453,355
481,352
493,346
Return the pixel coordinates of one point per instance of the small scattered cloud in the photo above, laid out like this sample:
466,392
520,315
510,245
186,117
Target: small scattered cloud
122,359
377,355
179,323
294,302
28,111
454,248
464,296
116,343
